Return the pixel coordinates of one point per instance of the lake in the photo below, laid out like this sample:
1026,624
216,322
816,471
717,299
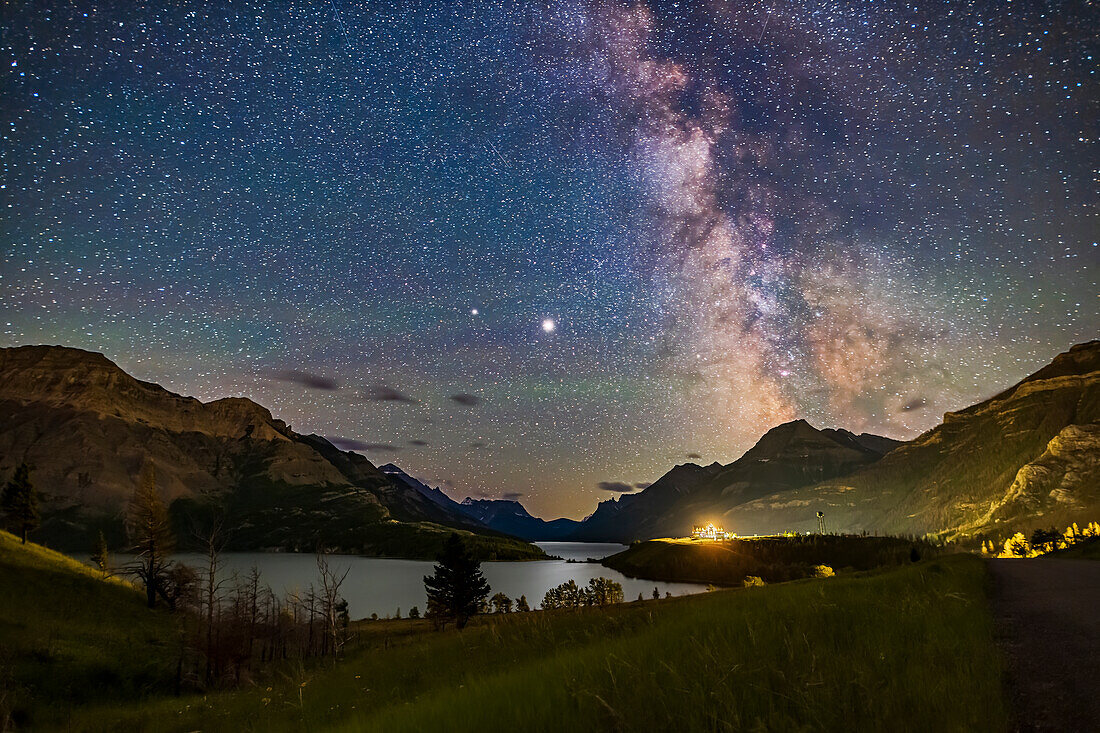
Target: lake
384,585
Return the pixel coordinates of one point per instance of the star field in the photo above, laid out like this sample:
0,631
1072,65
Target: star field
548,251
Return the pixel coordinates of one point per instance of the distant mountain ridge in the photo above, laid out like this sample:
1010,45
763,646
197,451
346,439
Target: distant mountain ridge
790,455
510,517
1027,457
89,430
432,502
502,515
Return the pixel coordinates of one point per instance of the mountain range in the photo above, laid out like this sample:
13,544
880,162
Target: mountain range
502,515
789,456
1027,457
90,430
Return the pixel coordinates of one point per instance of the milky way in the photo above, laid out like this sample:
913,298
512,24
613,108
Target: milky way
548,251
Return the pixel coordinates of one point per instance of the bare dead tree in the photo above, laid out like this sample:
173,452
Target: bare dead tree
213,541
335,630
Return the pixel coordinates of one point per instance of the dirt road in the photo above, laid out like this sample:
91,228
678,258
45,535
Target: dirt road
1048,619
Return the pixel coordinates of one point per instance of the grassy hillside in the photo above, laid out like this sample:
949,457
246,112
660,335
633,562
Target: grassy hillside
907,650
69,638
775,559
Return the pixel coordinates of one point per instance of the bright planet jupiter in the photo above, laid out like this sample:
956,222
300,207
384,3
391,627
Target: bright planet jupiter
539,250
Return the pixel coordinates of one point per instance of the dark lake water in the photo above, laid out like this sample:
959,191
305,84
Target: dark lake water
384,585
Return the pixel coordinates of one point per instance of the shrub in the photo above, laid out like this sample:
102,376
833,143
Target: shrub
823,571
753,581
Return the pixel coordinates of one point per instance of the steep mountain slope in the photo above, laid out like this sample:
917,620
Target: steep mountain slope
89,430
421,489
405,497
791,455
1028,457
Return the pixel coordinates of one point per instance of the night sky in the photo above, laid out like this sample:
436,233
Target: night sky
551,251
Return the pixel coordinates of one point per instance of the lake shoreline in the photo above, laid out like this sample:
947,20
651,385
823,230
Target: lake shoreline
388,586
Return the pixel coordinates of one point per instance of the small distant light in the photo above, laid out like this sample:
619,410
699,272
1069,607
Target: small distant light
473,311
548,325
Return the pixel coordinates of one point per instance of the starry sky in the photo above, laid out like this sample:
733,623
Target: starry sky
548,250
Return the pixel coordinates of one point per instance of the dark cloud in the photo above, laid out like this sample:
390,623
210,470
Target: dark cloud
643,485
382,393
915,404
352,444
694,456
346,443
619,486
419,443
477,444
312,381
511,495
465,399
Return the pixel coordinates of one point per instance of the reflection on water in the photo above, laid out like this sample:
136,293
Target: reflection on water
384,585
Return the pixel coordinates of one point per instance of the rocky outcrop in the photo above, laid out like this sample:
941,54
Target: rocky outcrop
1066,477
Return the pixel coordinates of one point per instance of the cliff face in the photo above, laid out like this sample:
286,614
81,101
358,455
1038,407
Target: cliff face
89,430
1025,458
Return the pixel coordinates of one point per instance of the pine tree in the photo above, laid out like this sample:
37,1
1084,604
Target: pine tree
99,553
150,534
501,603
20,501
457,588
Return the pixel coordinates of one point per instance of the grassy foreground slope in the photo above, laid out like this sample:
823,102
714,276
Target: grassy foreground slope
68,637
907,650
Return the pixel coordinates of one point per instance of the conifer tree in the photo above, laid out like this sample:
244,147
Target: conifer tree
150,534
457,588
20,501
99,553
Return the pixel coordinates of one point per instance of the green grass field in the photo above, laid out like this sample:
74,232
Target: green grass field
910,649
905,649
